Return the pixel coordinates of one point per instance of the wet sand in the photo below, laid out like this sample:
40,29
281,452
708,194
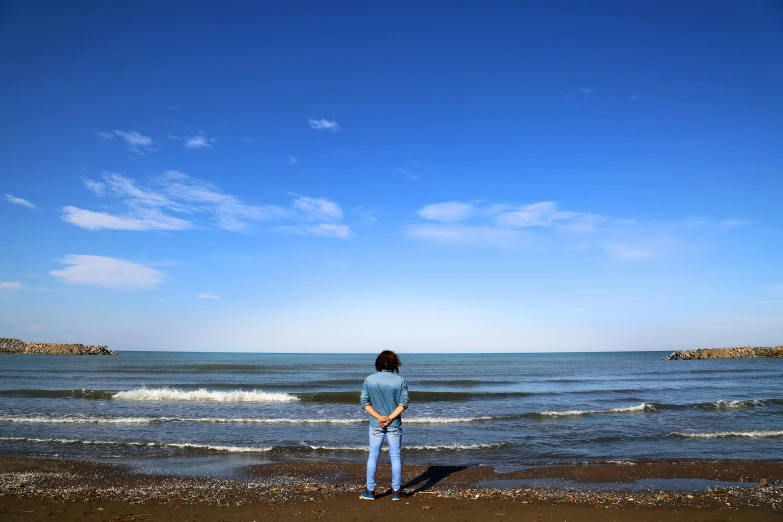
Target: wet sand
40,489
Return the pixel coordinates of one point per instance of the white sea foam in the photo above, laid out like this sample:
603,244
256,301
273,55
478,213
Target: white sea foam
49,419
734,405
441,447
444,420
626,409
202,395
75,419
726,434
229,449
237,449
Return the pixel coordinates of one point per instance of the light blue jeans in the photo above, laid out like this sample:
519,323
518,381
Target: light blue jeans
393,438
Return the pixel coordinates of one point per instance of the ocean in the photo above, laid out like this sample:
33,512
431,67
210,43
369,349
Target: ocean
178,409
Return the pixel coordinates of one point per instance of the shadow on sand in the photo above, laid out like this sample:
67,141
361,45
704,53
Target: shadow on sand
431,476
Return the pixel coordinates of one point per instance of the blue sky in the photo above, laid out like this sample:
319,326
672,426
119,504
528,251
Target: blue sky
488,176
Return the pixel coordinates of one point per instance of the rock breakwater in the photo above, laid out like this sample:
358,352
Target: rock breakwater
8,345
725,353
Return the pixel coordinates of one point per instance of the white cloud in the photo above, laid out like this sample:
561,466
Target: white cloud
108,272
461,234
176,201
136,142
194,142
322,229
197,142
35,327
148,220
96,187
543,214
317,209
11,285
544,226
246,140
147,209
585,90
324,124
19,201
291,160
207,296
447,212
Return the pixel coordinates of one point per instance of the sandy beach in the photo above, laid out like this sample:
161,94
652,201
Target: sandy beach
38,489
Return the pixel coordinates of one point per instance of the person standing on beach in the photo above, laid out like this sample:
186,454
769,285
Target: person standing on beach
385,397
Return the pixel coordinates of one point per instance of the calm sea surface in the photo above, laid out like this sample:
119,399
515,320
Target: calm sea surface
479,408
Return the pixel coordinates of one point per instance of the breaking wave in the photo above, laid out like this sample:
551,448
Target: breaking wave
202,395
637,408
183,445
77,419
243,449
435,447
730,434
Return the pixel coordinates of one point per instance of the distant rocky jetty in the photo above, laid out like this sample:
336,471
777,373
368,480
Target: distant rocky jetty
16,346
725,353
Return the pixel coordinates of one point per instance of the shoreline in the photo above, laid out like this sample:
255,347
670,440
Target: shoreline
35,485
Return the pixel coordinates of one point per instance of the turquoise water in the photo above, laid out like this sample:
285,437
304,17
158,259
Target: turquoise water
465,409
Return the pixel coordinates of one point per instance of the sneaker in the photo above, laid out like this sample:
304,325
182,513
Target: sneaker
399,495
367,495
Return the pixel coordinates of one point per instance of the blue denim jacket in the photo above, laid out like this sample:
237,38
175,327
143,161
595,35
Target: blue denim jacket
385,390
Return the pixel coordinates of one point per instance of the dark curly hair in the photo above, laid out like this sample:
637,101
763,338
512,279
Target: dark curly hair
388,360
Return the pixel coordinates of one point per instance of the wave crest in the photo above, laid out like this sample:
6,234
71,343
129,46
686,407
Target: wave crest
202,395
86,419
730,434
636,408
244,449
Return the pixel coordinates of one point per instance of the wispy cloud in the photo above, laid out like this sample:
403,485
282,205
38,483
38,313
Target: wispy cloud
175,201
335,230
11,286
734,223
35,327
198,142
447,211
546,214
544,225
207,296
408,173
463,234
19,201
585,90
246,140
324,124
136,142
194,142
152,208
140,220
365,216
291,160
317,209
107,272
